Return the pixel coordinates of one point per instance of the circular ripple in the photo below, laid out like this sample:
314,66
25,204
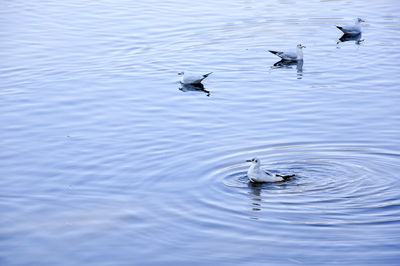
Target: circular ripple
340,192
334,184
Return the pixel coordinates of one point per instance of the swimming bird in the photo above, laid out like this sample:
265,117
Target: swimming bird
256,174
192,79
291,56
353,30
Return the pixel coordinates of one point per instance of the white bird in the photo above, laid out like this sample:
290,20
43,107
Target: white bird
353,30
291,56
256,174
195,79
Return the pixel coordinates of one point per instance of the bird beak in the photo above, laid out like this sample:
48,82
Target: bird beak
303,46
249,161
362,20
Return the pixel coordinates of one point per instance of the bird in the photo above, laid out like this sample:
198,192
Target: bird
257,175
352,30
291,56
192,79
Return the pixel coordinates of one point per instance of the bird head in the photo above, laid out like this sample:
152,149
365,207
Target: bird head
300,46
255,161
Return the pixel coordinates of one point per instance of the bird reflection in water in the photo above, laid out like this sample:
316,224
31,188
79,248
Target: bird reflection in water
257,195
194,87
256,192
351,37
290,64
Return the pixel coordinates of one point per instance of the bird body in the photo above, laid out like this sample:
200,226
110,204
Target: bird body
291,56
192,79
352,30
256,174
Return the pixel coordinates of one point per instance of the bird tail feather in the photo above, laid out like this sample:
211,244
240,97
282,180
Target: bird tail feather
286,177
206,75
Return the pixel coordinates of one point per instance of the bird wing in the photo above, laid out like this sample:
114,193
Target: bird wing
285,55
349,29
289,56
286,177
195,79
204,76
192,79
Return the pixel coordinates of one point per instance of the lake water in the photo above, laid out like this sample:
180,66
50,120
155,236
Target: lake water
106,160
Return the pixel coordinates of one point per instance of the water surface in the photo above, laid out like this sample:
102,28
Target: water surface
106,160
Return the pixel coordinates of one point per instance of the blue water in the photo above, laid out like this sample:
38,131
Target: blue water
106,160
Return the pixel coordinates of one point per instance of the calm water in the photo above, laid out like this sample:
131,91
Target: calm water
104,160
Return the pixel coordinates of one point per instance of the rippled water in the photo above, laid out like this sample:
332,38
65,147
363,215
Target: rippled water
107,160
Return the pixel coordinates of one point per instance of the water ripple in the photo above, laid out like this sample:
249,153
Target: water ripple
104,161
332,184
